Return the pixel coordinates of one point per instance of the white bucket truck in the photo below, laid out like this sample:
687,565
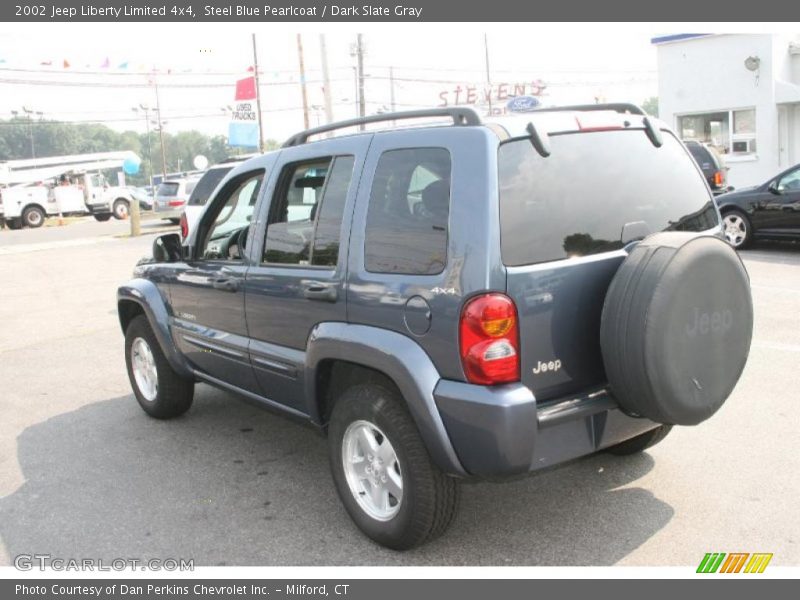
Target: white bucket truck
33,189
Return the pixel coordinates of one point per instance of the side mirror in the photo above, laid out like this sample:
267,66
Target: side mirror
167,248
773,188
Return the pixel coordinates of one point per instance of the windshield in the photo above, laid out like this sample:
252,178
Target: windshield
594,193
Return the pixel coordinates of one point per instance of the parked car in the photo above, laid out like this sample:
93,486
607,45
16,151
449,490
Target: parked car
711,164
144,196
171,197
767,211
452,303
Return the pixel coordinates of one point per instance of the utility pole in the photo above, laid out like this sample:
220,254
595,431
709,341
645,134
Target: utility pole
326,79
392,103
303,80
488,72
258,97
360,58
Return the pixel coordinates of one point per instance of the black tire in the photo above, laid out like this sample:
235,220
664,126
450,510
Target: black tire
640,443
14,223
33,217
676,327
102,217
429,498
121,209
738,228
174,394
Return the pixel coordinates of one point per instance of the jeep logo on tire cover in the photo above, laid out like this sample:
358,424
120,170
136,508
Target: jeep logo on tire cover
704,323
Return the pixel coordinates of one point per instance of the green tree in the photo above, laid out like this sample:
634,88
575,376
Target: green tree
52,138
650,106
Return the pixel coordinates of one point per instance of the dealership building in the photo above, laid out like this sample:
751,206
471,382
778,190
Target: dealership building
739,93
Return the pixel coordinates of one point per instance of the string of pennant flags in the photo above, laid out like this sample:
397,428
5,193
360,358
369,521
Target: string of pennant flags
107,65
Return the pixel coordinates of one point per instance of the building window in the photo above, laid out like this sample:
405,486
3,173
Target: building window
730,132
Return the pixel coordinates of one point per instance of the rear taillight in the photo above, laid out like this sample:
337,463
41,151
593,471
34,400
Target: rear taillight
489,340
177,202
184,226
718,178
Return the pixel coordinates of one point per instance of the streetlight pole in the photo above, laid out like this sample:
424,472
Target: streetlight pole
146,110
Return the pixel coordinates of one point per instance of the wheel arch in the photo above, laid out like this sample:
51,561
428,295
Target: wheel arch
340,354
140,296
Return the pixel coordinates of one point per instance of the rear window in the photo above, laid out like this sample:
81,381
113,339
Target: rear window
593,193
207,184
168,188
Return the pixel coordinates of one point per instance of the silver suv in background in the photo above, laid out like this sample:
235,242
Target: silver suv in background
172,195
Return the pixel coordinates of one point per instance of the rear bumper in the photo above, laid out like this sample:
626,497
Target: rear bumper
501,431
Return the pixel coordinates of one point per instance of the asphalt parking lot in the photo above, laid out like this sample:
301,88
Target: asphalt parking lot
84,473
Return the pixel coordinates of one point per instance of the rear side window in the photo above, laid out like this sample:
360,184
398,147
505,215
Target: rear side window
592,191
206,185
306,213
408,212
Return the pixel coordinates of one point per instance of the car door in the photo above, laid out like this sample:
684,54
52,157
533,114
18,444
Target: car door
297,281
207,294
786,191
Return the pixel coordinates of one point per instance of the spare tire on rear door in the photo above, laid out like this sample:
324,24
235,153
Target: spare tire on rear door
676,327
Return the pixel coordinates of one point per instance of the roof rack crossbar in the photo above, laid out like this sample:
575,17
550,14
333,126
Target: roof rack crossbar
620,107
460,116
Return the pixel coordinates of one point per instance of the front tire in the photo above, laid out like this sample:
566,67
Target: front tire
33,217
382,471
738,229
160,391
640,443
121,209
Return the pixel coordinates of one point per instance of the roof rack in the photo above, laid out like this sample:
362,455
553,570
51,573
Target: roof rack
460,115
620,107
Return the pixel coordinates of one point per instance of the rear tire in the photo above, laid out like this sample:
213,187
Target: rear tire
121,209
640,443
102,217
14,223
33,217
160,391
376,455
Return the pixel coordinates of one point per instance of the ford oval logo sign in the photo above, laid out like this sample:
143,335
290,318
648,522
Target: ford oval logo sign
523,104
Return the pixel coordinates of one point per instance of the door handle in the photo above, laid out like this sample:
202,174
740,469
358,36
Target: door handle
325,292
225,284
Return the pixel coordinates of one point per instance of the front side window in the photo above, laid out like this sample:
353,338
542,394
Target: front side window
409,208
233,210
790,182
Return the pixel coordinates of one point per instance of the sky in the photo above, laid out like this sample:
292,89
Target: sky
198,65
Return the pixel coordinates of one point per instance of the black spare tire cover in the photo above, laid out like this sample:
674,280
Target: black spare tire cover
676,327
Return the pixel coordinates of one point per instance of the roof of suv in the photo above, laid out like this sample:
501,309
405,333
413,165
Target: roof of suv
542,120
